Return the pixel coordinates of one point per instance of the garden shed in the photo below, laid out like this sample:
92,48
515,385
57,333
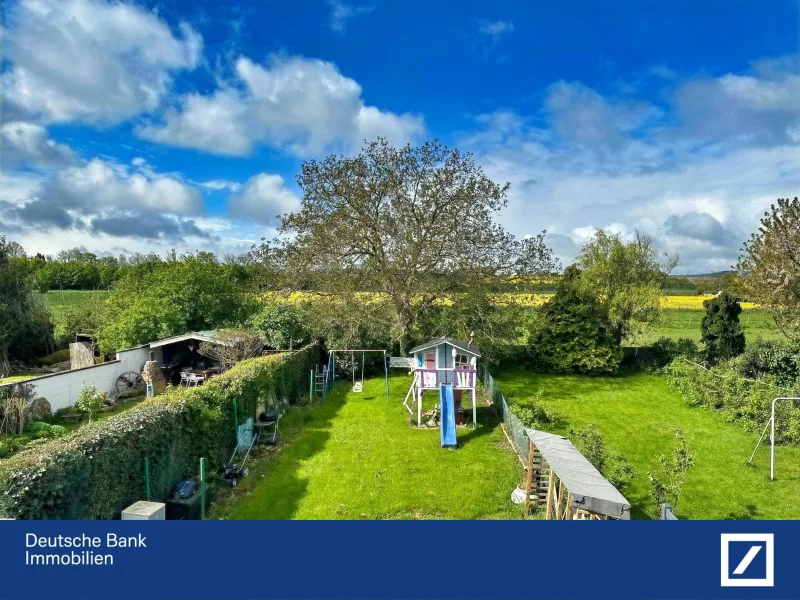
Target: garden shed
567,483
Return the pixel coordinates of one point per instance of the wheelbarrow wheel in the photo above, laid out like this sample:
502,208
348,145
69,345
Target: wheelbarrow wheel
233,483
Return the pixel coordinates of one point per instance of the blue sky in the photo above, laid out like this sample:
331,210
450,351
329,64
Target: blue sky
138,126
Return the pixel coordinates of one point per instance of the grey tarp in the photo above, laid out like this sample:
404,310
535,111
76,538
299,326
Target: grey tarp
590,490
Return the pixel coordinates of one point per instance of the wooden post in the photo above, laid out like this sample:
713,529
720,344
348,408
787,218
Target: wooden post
560,499
529,479
474,410
419,408
568,515
550,492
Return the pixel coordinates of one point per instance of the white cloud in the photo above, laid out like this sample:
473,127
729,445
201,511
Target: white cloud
301,105
218,185
342,12
27,144
263,199
626,165
760,106
94,61
495,29
99,184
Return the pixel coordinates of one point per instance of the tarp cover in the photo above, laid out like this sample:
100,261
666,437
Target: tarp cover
590,490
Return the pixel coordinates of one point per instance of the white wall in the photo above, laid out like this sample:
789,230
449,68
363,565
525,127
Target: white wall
61,389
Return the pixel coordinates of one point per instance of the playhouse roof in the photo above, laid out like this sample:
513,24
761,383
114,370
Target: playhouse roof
590,490
446,340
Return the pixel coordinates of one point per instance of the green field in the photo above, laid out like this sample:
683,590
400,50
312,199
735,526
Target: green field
355,457
59,301
638,413
684,323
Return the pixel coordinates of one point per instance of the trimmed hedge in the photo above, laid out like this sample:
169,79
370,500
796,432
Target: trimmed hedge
97,471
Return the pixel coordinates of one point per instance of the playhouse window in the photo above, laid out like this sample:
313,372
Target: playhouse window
462,361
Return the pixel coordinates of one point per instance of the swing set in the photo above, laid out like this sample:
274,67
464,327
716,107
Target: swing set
358,384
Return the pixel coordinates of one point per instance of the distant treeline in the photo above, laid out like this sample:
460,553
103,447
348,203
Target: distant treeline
79,270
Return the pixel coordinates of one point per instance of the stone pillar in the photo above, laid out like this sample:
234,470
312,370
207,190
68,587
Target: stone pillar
152,374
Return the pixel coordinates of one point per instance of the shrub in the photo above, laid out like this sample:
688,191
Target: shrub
572,333
781,359
614,467
722,334
667,484
39,429
283,325
740,399
660,353
91,399
98,470
534,414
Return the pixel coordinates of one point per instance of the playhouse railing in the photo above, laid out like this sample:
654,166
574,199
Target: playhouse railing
431,378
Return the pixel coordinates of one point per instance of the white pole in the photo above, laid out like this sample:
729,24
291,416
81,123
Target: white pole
772,438
772,444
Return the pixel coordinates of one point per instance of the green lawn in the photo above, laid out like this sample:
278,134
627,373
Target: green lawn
355,457
638,413
684,323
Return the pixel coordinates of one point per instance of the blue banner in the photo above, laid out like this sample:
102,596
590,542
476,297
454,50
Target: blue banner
399,559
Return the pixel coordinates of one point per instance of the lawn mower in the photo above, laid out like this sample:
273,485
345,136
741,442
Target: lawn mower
230,473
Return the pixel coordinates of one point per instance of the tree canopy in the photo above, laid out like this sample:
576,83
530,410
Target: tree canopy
161,299
627,279
769,266
25,325
722,334
572,333
414,223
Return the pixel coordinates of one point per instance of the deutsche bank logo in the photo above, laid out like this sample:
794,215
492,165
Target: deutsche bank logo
748,559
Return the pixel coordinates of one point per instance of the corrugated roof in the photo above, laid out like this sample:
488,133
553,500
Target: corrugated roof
202,336
446,340
590,490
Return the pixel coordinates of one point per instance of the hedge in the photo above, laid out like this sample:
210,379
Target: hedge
97,471
740,399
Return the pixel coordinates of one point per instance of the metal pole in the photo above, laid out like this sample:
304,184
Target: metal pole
311,389
202,488
386,372
772,444
772,437
147,477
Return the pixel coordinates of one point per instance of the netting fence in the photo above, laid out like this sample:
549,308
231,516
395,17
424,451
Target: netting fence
514,427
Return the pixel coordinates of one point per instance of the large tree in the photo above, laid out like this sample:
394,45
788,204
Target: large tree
627,278
769,266
26,328
414,223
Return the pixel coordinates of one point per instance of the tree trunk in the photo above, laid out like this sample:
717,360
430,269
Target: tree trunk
5,366
405,322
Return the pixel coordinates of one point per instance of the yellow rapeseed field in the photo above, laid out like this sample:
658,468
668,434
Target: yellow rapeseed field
509,299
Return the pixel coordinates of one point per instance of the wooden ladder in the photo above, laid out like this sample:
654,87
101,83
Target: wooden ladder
537,479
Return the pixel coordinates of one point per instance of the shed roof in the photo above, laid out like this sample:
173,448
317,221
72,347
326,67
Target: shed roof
590,490
202,336
446,340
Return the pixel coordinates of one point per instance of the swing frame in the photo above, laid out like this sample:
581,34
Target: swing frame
353,351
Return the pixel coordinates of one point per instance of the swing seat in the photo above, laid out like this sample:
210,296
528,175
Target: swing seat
358,387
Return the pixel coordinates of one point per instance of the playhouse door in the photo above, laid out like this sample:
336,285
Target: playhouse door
429,380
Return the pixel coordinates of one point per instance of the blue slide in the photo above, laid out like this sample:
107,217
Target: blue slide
448,420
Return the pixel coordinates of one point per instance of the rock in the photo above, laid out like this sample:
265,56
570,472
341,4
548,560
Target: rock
58,367
38,409
152,374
